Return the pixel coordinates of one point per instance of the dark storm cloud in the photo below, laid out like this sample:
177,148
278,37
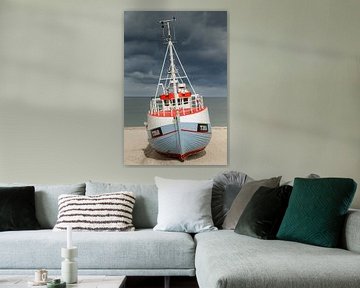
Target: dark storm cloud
201,43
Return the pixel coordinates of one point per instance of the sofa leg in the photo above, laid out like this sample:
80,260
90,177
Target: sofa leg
167,282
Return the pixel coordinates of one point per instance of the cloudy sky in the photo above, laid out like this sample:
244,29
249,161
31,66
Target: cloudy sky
201,45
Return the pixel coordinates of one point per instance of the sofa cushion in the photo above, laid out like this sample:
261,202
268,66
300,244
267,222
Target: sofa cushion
138,250
146,205
225,189
105,212
184,205
350,239
243,198
46,200
317,209
263,215
17,208
225,259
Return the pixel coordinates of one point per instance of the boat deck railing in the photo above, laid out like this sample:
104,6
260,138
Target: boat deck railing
185,106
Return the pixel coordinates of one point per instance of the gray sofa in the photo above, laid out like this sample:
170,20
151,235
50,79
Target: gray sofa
218,259
226,259
142,252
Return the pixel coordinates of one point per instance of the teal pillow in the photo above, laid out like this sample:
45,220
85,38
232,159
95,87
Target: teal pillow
316,211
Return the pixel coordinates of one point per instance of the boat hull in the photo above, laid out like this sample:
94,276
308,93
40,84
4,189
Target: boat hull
180,136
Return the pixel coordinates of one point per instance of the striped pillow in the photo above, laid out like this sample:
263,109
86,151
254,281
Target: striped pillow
105,212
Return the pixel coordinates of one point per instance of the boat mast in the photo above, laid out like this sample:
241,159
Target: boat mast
171,55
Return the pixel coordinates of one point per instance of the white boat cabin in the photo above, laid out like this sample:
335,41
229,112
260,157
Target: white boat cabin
183,102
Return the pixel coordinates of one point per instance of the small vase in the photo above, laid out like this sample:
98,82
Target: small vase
69,271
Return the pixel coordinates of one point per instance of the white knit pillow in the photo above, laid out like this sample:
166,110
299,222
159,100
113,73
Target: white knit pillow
105,212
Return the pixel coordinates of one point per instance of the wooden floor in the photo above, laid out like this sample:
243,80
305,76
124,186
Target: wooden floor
158,282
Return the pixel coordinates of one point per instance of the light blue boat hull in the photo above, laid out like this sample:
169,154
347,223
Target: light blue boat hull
180,139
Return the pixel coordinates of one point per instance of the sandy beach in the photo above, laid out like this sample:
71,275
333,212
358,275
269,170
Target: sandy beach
137,150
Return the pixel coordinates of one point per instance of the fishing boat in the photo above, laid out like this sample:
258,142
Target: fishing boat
178,123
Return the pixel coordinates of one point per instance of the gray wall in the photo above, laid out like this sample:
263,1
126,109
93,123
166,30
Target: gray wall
294,85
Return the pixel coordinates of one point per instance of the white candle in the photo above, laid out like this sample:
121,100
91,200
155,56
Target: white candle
69,239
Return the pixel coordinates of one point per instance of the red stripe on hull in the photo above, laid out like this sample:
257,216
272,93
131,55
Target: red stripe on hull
193,131
173,113
168,133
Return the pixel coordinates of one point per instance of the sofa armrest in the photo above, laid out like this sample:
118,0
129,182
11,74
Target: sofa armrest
351,234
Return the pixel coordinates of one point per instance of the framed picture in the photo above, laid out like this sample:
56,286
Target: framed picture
175,88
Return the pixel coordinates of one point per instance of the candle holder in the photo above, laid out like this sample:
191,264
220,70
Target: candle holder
68,265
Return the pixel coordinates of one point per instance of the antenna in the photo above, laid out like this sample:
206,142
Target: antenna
174,19
166,29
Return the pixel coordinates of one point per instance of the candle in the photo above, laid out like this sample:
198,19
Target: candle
69,240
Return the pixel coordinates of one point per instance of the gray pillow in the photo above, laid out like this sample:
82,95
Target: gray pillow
184,205
243,198
225,189
46,200
146,204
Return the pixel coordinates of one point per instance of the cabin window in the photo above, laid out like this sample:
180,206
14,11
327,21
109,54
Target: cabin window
173,101
179,101
166,102
186,100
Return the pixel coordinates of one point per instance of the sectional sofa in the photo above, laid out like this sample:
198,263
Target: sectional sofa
218,258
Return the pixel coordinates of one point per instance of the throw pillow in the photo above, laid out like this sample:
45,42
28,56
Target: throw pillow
105,212
17,209
263,215
316,211
243,198
226,187
184,205
146,205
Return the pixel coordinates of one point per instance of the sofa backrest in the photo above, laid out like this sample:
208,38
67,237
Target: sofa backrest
146,203
46,200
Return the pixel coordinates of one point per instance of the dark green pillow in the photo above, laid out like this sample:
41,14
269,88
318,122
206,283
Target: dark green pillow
316,211
264,213
17,208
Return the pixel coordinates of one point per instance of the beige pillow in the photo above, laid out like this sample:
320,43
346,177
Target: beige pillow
243,198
